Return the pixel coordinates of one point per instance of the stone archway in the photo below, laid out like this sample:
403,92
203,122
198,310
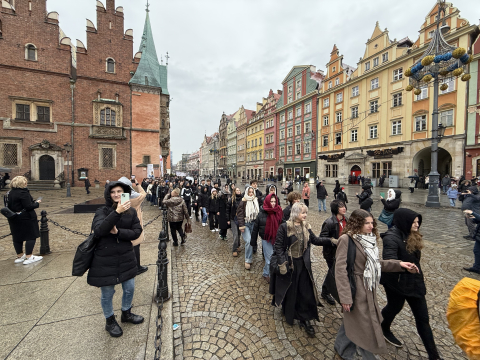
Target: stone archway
444,165
45,156
46,167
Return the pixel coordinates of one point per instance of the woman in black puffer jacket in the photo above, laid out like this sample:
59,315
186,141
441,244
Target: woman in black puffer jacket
115,225
404,242
203,203
232,220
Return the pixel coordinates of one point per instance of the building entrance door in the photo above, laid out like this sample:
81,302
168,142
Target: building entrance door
354,172
46,165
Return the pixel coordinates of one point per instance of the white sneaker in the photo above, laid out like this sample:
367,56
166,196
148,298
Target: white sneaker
32,259
190,217
20,259
203,224
217,229
212,230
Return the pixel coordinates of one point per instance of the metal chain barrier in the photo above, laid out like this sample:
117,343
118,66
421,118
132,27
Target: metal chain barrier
4,236
67,229
159,319
151,221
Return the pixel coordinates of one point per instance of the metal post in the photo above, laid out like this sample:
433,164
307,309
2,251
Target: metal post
44,235
432,198
165,221
69,194
162,263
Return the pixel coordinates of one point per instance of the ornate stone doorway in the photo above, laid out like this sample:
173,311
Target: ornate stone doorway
46,161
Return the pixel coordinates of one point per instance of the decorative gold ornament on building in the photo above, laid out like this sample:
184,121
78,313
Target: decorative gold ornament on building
458,52
427,60
409,88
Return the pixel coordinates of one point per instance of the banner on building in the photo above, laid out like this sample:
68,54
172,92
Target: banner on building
161,166
179,173
150,173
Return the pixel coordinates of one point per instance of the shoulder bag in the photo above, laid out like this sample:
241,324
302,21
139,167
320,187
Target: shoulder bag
9,214
386,217
84,255
330,279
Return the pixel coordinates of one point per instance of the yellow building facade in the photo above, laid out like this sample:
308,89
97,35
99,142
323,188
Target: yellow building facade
369,125
255,143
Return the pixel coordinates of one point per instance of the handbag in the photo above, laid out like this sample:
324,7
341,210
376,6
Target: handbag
8,213
274,268
330,279
188,228
84,255
386,217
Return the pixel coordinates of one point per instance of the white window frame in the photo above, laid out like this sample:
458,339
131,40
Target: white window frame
373,132
374,84
298,95
308,108
373,106
326,102
298,130
298,112
298,149
397,127
337,81
307,147
290,99
338,117
290,88
325,120
375,62
282,134
397,99
290,132
421,123
355,91
354,112
423,95
325,140
354,135
282,150
444,117
330,84
385,57
298,84
289,150
338,135
398,74
367,66
339,97
282,118
451,86
307,127
290,115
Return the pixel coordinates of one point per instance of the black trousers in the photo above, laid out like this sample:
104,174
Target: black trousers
324,286
307,202
418,305
29,245
174,227
213,220
189,207
136,250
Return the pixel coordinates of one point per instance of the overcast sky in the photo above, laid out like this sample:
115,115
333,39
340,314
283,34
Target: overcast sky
229,53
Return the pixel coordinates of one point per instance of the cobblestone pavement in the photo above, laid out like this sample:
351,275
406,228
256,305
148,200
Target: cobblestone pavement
224,311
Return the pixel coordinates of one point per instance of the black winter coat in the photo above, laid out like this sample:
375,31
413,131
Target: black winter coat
391,205
259,227
222,208
330,229
232,207
286,212
212,205
321,191
405,283
203,199
24,226
342,197
114,260
471,201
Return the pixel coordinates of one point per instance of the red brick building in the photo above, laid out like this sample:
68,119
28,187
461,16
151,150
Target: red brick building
55,93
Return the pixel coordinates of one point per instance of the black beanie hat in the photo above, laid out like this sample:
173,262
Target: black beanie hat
403,219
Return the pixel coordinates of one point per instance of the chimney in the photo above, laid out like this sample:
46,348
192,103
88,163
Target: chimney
279,92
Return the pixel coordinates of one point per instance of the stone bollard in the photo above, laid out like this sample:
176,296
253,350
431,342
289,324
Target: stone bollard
162,268
44,235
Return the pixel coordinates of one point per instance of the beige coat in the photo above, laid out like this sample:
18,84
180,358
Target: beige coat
137,205
362,324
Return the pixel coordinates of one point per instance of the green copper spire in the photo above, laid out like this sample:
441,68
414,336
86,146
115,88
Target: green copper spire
149,71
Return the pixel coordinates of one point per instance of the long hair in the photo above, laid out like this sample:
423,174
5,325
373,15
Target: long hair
234,194
414,241
357,220
297,209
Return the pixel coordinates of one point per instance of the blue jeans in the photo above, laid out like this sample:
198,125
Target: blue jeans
476,252
452,202
445,188
247,235
204,215
267,254
107,296
324,202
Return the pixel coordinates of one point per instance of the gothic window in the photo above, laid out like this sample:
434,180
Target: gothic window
110,65
107,117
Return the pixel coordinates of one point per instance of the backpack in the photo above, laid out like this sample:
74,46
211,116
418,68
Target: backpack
330,279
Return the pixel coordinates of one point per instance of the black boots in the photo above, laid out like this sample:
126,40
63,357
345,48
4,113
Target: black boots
113,328
308,328
184,239
127,316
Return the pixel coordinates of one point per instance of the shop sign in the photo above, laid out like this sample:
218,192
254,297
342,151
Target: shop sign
332,157
385,153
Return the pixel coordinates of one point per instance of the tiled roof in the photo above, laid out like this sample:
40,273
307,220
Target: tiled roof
249,114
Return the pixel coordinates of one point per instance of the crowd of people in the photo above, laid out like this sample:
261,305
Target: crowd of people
349,247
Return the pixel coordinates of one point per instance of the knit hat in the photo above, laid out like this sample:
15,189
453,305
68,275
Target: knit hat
343,188
213,189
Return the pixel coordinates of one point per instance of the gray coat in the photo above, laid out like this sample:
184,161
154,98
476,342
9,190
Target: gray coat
362,324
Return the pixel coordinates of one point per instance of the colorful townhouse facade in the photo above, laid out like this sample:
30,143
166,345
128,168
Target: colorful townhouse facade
244,115
232,146
296,117
254,163
270,138
370,125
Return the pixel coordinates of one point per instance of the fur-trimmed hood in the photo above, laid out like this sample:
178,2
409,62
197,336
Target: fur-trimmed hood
306,235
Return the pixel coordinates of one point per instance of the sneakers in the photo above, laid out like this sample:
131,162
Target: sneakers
213,230
32,259
388,335
217,229
20,259
190,217
203,224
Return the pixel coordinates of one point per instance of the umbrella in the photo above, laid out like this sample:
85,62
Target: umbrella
463,316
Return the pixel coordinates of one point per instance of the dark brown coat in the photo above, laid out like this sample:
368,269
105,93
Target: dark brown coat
177,209
362,324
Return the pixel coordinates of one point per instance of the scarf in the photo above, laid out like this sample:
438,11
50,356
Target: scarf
391,195
251,207
274,218
373,269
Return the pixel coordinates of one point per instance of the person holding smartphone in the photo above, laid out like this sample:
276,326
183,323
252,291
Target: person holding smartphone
115,226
